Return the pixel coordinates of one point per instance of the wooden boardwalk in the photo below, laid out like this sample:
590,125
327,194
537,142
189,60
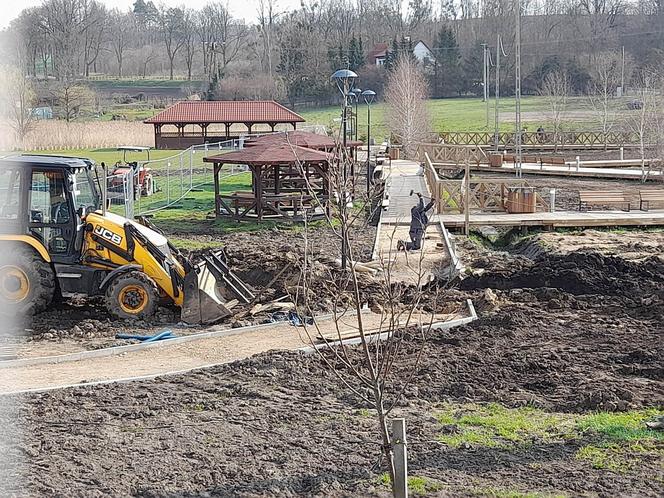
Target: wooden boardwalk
585,172
558,219
416,267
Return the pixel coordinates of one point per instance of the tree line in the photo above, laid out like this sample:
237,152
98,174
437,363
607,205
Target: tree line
290,54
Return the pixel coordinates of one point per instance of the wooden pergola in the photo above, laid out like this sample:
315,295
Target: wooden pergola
287,182
195,122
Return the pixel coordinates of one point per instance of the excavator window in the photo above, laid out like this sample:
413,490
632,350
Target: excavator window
50,210
10,184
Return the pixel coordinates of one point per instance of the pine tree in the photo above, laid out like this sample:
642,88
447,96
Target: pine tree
447,77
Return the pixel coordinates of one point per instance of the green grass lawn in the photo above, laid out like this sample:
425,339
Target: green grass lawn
460,114
109,156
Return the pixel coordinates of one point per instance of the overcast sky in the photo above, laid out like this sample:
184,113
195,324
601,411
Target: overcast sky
245,9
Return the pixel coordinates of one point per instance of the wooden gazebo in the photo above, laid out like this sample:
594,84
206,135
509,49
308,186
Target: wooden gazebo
195,122
287,182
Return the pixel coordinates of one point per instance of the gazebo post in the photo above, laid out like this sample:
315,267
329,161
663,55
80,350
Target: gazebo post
228,130
217,201
276,179
258,174
327,188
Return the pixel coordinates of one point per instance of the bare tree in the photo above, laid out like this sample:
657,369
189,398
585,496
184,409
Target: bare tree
408,117
171,23
122,28
18,98
601,91
644,119
556,89
71,98
267,17
189,39
390,340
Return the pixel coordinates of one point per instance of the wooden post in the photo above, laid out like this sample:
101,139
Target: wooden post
466,199
217,201
400,458
258,175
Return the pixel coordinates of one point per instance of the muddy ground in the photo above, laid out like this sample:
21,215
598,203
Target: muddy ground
257,258
562,331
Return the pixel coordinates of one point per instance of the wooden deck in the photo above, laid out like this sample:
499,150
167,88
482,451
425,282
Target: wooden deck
586,172
557,219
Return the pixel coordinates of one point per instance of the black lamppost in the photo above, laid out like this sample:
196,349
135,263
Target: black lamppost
369,96
356,92
344,79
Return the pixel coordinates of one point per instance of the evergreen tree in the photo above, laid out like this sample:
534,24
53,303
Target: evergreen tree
392,55
447,74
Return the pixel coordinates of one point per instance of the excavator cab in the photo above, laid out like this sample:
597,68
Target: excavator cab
57,237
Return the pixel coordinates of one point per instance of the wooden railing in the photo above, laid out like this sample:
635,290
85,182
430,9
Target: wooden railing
456,155
483,194
528,138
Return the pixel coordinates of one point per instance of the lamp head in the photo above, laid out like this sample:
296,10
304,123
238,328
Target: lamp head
344,79
369,96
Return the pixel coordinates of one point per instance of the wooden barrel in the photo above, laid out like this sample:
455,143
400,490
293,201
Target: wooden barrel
520,200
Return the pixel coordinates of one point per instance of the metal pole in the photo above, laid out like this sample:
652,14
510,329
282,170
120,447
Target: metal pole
400,458
497,111
622,73
466,199
357,98
344,199
517,87
483,72
369,175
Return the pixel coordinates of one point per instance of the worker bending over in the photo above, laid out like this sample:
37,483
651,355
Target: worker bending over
418,224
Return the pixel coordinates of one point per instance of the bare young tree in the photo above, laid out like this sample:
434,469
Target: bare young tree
18,99
601,91
556,89
391,338
643,120
408,117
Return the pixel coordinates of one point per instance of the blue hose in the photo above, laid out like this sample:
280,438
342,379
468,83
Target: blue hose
166,334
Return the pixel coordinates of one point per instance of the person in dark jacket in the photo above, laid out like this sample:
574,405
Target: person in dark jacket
418,224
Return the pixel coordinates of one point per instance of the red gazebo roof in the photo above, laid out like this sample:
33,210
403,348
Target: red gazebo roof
225,111
269,154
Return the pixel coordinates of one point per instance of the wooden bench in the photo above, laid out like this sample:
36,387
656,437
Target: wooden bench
602,197
553,160
648,196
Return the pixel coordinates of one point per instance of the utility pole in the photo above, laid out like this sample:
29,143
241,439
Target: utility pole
622,73
484,62
496,113
517,87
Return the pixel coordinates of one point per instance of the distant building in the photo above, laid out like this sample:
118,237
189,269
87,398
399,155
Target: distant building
378,54
42,112
422,52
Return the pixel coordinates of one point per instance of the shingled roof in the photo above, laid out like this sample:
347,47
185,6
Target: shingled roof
267,154
225,111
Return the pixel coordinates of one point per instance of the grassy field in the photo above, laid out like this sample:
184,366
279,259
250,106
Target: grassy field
109,155
462,114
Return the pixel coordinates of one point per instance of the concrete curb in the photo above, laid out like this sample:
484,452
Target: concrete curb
118,350
384,335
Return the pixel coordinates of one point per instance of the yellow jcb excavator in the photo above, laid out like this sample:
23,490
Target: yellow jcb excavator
58,238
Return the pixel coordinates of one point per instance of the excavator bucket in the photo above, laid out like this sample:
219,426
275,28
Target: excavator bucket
211,289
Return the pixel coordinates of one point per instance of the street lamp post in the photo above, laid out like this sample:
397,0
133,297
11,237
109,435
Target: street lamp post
344,79
369,97
356,92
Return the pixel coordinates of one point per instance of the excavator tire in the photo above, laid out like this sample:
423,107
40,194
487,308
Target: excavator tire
132,296
27,283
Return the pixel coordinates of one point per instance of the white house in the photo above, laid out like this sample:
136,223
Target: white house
422,52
